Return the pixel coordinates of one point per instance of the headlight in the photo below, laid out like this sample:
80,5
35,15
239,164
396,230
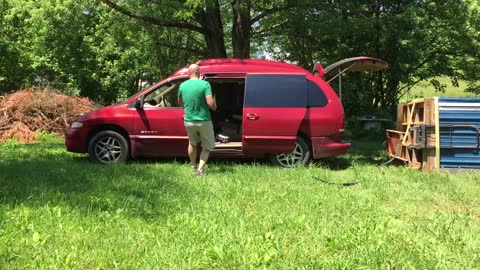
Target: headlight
76,125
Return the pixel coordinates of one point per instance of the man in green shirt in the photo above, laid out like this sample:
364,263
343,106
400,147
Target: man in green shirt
197,99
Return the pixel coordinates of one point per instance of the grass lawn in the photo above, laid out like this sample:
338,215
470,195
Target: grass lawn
425,89
59,211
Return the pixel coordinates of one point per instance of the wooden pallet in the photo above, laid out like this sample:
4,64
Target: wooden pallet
402,143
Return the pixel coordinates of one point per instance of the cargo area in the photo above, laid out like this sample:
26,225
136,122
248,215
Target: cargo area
227,119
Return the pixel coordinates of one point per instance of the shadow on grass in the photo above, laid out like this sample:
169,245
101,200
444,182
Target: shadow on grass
362,152
215,165
334,163
45,174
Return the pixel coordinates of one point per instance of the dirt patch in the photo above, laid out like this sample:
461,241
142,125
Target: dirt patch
39,109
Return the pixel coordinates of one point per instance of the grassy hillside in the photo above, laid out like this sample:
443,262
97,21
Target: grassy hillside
59,211
425,89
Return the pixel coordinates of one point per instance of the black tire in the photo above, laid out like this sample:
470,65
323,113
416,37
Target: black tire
300,155
108,146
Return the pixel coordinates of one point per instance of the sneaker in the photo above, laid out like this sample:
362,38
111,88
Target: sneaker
222,138
193,169
200,173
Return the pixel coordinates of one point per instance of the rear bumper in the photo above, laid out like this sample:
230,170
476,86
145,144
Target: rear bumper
325,147
76,140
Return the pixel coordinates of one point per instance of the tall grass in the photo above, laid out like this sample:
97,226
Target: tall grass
59,211
425,89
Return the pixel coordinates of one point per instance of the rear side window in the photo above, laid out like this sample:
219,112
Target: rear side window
275,91
316,97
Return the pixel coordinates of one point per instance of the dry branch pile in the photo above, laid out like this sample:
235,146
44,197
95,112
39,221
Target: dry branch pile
26,111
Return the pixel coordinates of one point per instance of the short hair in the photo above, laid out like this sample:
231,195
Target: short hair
194,68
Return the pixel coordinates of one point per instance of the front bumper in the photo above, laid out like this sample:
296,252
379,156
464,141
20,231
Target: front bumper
76,140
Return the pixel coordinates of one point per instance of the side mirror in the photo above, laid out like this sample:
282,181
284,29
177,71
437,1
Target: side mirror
139,103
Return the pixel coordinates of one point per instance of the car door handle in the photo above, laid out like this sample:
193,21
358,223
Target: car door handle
252,116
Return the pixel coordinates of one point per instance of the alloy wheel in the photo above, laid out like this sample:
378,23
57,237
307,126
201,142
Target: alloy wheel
291,159
108,149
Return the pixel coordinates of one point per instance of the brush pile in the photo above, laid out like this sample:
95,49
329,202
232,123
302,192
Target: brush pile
39,109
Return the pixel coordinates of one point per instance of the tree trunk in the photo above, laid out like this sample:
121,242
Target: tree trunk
211,20
241,30
215,45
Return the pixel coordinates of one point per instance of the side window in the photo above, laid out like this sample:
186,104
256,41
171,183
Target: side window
276,91
164,96
316,97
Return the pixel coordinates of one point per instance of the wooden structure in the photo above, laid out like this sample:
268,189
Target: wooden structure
414,141
436,133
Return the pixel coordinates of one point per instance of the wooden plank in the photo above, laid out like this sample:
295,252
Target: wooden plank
400,119
430,111
428,159
437,136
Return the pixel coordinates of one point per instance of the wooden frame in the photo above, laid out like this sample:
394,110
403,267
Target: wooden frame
402,144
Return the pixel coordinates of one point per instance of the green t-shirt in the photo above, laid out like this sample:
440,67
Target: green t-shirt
193,94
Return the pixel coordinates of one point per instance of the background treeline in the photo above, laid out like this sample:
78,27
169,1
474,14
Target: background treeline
107,50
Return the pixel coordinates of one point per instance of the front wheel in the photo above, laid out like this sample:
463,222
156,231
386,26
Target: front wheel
300,155
108,147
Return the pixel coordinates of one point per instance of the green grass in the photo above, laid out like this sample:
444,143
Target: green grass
59,211
425,89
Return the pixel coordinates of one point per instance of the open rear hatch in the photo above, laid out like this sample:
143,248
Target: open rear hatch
354,64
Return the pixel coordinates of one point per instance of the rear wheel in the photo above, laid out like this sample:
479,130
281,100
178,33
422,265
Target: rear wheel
300,155
108,146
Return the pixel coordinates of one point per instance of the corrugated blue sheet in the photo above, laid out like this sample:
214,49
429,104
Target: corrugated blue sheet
459,111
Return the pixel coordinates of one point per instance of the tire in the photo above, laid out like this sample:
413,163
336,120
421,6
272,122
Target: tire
300,155
108,146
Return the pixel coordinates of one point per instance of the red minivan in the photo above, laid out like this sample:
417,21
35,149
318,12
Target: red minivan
266,108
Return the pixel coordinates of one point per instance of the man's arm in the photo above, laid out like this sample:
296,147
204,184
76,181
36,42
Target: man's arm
212,104
179,99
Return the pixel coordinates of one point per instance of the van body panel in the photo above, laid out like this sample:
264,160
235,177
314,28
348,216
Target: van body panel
275,130
159,131
274,107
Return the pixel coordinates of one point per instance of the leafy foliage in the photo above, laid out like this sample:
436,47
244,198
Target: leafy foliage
109,50
419,39
82,48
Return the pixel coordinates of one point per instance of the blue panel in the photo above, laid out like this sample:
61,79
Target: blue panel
459,111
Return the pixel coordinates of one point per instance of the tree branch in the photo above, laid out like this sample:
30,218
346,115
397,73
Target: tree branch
155,21
261,31
288,6
191,50
405,89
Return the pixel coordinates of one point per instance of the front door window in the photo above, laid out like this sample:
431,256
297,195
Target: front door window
164,96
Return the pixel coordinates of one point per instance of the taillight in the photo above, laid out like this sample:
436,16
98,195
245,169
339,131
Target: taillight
340,127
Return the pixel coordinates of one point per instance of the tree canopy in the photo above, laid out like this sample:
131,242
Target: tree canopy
109,49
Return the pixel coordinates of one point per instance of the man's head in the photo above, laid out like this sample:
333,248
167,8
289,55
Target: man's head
194,71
